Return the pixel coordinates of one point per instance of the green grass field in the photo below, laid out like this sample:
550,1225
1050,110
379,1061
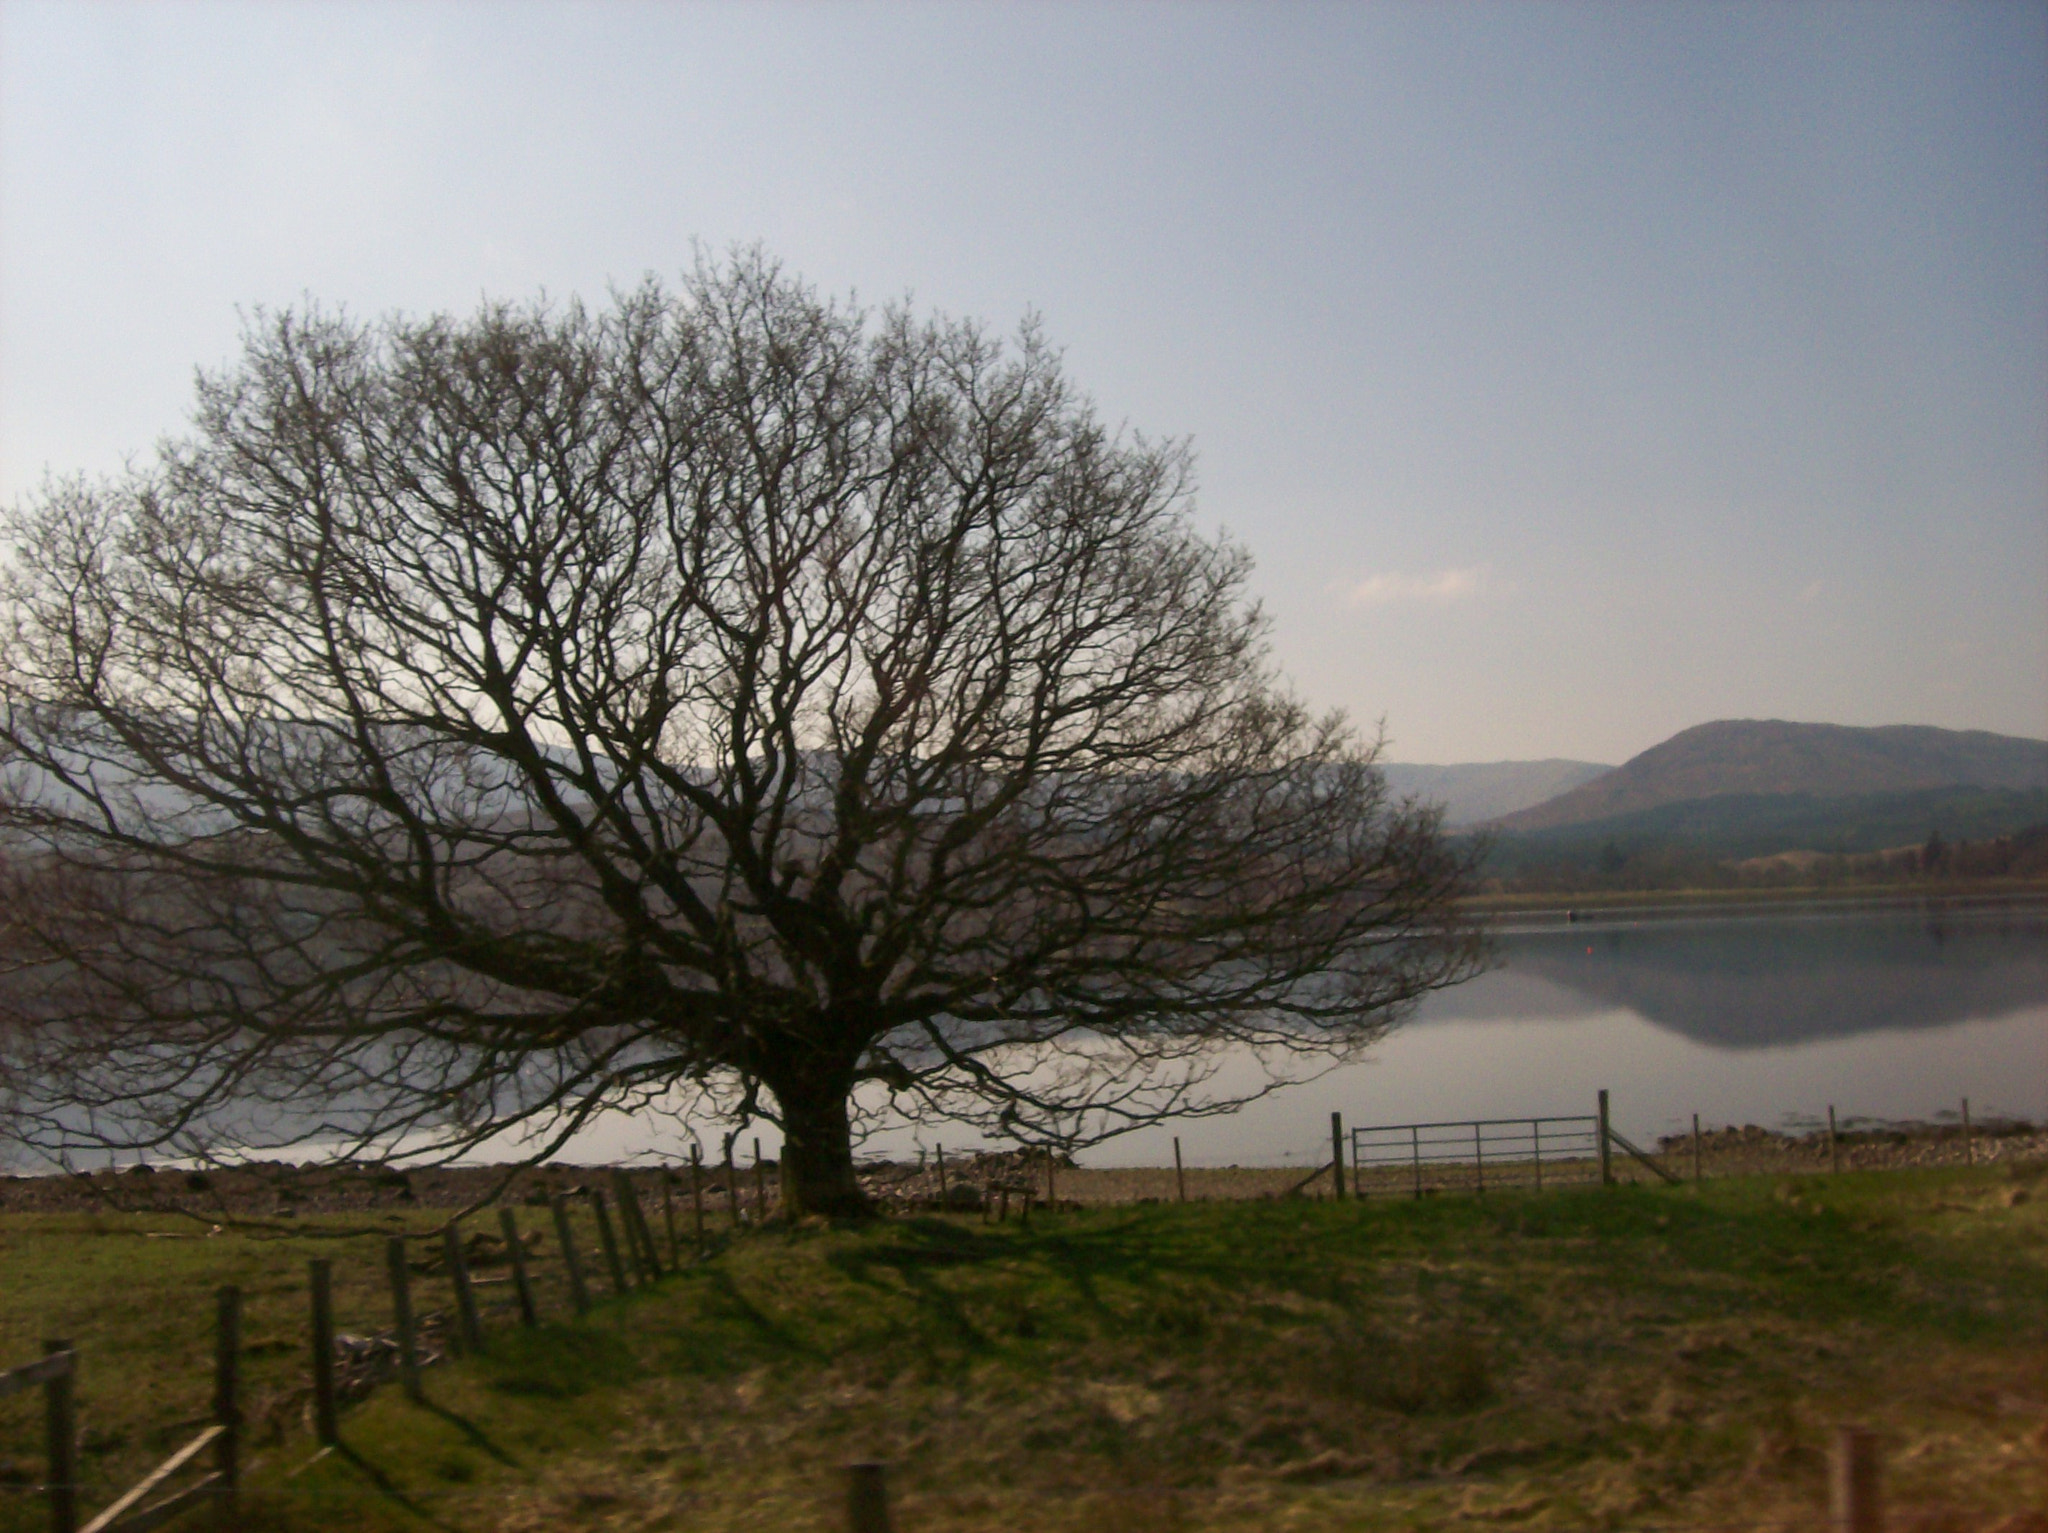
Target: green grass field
1626,1358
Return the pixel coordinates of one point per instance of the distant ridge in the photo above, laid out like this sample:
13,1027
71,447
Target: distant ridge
1484,790
1771,756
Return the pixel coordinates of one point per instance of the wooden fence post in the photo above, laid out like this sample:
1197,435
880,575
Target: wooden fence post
944,1201
668,1218
1478,1160
646,1230
1853,1488
639,1212
60,1425
697,1193
508,1222
1337,1154
609,1242
465,1296
867,1499
760,1187
565,1237
1536,1148
629,1204
1180,1177
227,1406
401,1312
326,1426
732,1187
1969,1144
1052,1182
1834,1144
1695,1149
1606,1147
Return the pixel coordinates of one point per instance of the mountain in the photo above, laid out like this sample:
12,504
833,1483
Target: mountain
1484,790
1766,757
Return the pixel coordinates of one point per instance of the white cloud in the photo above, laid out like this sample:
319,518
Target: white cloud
1811,593
1442,586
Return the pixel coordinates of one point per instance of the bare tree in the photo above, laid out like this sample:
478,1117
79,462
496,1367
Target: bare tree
475,724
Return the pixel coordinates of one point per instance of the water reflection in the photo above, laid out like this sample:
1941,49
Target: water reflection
1768,982
1885,1014
1769,1019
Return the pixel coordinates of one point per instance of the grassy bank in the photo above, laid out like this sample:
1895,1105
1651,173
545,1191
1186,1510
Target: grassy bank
1619,1358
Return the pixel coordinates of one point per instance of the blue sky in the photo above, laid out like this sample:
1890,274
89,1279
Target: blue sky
1576,373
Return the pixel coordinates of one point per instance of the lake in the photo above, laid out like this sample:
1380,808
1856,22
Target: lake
1764,1017
1767,1016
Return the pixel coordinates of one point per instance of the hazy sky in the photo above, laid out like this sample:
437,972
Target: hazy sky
1576,373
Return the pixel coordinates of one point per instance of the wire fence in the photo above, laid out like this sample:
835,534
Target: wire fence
578,1250
443,1294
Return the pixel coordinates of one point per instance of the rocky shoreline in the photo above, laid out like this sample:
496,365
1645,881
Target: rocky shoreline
1889,1146
283,1193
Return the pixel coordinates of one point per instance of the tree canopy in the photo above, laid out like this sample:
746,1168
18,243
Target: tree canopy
730,701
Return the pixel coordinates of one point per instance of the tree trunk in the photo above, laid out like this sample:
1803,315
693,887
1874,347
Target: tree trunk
817,1152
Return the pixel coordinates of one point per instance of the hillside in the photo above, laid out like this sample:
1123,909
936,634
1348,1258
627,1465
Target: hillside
1770,757
1475,791
1740,825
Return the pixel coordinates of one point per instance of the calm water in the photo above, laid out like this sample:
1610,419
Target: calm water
1761,1019
1892,1014
1889,1013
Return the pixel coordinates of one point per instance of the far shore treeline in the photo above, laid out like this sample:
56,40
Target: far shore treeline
1774,805
1721,845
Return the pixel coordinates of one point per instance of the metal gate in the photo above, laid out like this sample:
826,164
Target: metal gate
1393,1159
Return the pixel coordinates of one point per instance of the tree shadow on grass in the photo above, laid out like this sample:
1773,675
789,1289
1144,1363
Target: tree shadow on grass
562,1362
471,1431
915,1254
725,1302
1135,1251
1132,1249
387,1488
